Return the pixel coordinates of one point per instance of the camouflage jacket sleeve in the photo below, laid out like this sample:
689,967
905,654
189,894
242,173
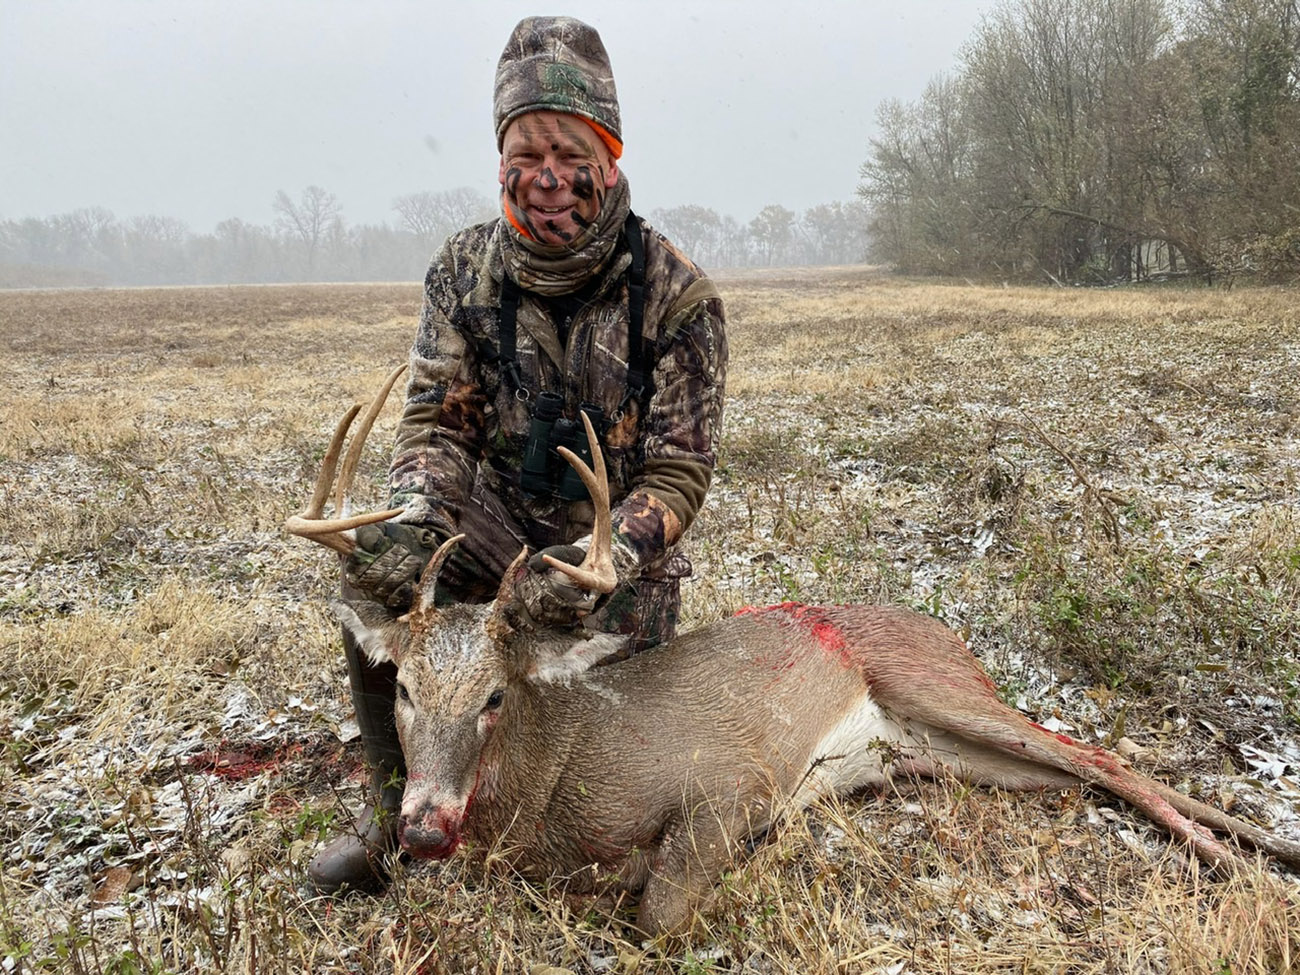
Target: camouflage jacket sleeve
441,433
683,424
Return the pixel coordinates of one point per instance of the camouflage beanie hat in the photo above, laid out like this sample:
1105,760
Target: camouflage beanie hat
557,64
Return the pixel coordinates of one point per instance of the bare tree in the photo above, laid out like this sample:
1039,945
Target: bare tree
155,249
834,233
432,216
1067,143
693,228
90,237
772,230
917,182
732,243
309,220
1044,78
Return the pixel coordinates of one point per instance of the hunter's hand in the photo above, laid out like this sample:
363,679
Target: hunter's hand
388,560
548,595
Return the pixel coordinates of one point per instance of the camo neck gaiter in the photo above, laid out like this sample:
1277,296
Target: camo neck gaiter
560,270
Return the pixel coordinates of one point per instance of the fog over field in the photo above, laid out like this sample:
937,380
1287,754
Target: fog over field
201,111
1009,140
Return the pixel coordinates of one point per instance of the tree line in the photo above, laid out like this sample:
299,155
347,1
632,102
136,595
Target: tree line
1096,140
309,240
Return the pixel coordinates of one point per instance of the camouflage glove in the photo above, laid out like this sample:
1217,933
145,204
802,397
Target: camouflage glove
551,598
548,596
388,560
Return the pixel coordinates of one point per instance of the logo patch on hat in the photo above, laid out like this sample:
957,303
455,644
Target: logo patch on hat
565,80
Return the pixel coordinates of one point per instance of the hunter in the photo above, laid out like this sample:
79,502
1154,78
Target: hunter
567,301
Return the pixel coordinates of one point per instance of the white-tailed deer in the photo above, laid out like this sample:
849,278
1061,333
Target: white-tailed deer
649,775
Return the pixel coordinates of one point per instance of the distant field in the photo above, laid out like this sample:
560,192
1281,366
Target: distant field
1101,489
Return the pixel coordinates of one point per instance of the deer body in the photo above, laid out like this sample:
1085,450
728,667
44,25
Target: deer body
619,755
649,775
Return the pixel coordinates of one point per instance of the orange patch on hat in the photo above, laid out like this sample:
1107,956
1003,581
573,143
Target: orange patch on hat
613,145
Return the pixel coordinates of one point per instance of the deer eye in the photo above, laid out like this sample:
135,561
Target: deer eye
403,693
494,700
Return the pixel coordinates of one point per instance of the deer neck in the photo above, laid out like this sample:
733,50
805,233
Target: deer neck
521,764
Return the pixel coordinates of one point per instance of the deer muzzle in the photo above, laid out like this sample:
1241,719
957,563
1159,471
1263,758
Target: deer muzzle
434,834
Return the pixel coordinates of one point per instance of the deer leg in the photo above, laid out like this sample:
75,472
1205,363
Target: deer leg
1181,815
682,875
1007,731
692,855
969,709
1288,851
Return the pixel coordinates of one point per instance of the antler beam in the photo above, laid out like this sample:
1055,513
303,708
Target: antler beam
337,533
597,570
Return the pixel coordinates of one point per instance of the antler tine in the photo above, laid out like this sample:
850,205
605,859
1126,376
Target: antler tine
336,533
420,618
328,531
498,624
349,468
329,463
597,570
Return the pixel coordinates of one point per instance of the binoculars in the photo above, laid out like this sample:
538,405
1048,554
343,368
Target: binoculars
544,471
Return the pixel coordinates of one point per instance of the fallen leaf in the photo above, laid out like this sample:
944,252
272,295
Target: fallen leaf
1130,750
114,885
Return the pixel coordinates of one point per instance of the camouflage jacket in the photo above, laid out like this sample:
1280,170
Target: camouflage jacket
462,423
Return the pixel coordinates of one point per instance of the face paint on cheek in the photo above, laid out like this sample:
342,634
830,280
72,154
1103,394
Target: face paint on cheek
559,231
588,188
510,200
584,187
528,224
513,175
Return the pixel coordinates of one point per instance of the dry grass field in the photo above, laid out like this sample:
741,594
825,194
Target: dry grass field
1098,488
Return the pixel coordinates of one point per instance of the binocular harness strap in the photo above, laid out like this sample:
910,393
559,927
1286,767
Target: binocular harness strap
507,358
635,313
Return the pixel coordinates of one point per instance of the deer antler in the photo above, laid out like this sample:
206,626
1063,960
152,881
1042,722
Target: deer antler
337,533
421,615
597,570
498,624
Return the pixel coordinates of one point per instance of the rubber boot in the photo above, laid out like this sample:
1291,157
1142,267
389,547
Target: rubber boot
356,860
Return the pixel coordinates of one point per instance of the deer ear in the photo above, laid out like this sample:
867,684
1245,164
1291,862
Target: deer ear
380,635
560,655
543,654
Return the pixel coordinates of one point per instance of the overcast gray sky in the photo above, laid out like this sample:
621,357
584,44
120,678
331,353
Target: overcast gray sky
202,109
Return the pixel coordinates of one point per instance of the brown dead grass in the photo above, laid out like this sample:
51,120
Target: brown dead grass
1098,487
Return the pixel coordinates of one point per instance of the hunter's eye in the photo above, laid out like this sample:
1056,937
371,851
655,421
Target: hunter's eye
494,701
403,693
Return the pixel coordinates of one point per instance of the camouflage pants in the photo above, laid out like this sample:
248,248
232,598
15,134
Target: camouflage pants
644,608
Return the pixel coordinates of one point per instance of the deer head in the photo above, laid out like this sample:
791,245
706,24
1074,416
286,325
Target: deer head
466,674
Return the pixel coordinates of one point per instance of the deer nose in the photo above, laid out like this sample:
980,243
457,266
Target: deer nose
434,836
